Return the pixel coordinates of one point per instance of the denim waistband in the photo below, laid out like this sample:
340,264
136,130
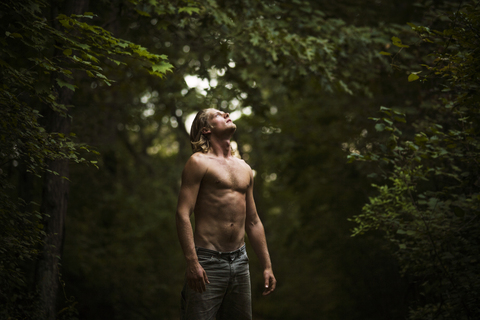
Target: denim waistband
220,254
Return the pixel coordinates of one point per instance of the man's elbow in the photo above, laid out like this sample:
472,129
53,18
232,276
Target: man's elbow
252,225
181,217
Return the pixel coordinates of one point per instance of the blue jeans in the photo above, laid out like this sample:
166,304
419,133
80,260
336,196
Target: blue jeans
228,296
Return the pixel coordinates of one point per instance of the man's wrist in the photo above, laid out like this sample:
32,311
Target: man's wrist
193,260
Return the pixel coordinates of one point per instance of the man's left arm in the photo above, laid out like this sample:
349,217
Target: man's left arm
256,235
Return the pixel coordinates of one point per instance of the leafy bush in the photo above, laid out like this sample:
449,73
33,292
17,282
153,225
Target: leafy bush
428,208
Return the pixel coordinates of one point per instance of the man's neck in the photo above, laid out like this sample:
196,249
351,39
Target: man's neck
220,147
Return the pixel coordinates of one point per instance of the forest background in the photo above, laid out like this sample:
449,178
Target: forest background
359,119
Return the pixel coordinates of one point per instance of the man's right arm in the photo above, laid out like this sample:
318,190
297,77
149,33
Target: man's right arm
191,178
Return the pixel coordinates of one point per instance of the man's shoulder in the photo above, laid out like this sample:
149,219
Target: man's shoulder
198,156
243,165
197,161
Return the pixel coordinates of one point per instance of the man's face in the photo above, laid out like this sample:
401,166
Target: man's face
220,121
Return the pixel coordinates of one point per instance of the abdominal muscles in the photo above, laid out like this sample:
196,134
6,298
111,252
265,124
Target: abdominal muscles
220,220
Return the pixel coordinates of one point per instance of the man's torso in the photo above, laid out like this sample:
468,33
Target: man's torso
220,209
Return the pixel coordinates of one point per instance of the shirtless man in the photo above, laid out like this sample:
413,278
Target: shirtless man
218,187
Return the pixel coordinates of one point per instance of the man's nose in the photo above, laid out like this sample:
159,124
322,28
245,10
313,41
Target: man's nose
226,115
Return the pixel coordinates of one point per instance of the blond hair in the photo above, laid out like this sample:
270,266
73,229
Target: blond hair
199,141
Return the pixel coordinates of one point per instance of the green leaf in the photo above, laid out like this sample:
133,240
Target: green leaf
397,42
255,39
432,203
67,52
65,23
62,84
189,10
162,67
413,77
142,13
385,53
379,126
83,46
115,61
411,25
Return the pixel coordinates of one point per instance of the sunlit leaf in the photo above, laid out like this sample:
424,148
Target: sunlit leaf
162,67
413,77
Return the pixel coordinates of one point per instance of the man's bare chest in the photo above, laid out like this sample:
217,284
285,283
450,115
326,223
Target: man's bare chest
227,176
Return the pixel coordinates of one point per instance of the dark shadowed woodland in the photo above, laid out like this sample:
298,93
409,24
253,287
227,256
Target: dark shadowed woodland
360,119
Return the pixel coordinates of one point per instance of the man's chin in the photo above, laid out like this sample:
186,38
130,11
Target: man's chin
231,129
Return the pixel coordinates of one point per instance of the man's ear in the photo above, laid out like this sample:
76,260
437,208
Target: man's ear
206,130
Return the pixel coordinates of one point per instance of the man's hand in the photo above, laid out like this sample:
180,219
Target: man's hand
270,282
196,277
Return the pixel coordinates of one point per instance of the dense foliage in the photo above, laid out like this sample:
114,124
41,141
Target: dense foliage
38,57
429,210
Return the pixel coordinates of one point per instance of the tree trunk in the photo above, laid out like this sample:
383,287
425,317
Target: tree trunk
54,204
55,193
